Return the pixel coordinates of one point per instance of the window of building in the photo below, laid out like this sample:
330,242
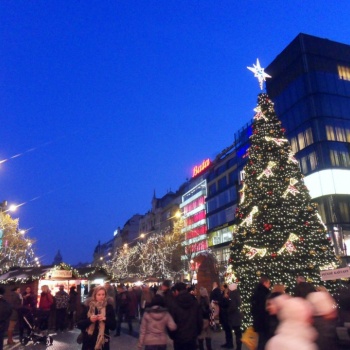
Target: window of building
308,163
222,183
302,140
339,158
344,72
337,133
212,189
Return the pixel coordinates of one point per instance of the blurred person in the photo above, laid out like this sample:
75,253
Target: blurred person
303,288
111,292
274,302
295,331
258,309
45,304
72,307
167,294
27,310
203,300
230,316
215,298
146,297
5,314
16,304
324,319
97,320
155,322
188,318
123,309
61,302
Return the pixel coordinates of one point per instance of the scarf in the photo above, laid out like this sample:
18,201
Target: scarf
101,308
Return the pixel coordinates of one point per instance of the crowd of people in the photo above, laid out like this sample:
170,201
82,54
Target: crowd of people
186,314
29,314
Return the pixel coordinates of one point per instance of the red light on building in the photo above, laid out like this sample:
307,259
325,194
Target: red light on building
199,168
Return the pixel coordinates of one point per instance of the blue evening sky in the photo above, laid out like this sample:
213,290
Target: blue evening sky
107,101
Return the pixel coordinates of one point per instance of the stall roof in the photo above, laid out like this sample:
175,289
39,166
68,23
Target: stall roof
28,274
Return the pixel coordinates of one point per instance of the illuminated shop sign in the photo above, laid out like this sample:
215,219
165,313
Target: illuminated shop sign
199,168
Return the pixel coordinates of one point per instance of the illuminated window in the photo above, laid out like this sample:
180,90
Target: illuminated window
337,133
344,72
339,158
303,139
294,144
308,163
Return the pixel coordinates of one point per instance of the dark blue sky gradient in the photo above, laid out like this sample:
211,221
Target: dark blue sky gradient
108,101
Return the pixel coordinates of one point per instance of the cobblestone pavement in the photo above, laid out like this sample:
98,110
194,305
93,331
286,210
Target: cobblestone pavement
67,341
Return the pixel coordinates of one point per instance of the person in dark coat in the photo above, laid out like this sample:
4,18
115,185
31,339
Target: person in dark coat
303,288
259,312
5,314
27,310
167,294
203,300
123,309
97,320
16,303
188,318
230,316
72,307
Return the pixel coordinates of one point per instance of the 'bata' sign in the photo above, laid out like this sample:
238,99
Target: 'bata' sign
335,274
199,168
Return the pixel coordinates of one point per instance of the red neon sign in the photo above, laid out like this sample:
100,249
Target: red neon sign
199,168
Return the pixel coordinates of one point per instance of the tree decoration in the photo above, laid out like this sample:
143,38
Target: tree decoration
267,172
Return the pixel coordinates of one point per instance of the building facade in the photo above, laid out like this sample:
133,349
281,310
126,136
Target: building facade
310,87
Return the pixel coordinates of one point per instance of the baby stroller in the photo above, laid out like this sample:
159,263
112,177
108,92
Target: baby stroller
37,331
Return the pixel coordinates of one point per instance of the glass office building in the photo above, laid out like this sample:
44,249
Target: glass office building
310,87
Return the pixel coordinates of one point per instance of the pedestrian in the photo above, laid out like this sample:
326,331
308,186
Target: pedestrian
204,304
16,304
188,318
165,291
123,309
111,292
97,320
230,315
215,298
146,297
27,310
258,309
324,319
62,302
274,302
45,304
295,331
72,307
155,322
5,314
303,288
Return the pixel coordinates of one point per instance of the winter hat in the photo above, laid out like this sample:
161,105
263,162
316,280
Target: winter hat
296,310
322,303
232,286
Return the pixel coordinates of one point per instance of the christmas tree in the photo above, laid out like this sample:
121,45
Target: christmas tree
278,232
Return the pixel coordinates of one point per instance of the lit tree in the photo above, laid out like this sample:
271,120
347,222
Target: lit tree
279,232
15,249
124,262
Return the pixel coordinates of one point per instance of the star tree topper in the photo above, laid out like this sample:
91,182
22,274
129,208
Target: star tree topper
259,73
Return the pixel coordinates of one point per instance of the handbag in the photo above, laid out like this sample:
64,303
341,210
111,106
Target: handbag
250,338
80,338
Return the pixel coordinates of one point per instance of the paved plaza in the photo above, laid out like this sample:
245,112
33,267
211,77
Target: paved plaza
67,341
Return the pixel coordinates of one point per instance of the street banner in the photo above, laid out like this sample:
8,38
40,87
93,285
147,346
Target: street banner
335,274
